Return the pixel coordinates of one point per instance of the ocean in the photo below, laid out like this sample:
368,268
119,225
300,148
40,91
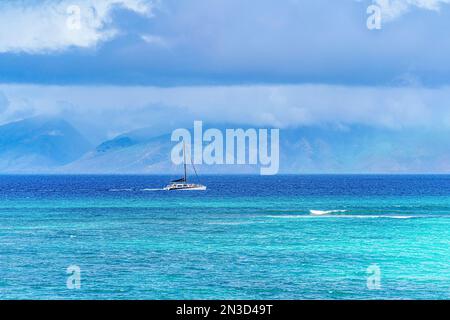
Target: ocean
246,237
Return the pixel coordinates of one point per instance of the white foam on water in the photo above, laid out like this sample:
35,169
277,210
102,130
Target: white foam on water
401,217
148,189
372,216
322,213
346,216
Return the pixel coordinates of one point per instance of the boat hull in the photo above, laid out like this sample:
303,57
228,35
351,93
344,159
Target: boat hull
185,187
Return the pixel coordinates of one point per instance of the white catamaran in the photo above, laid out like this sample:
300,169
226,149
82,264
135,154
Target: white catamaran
182,184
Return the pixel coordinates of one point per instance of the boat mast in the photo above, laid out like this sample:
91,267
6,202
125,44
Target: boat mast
184,155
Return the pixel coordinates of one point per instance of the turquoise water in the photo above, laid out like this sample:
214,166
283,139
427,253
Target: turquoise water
247,237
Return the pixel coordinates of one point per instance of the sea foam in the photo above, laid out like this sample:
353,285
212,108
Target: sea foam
343,216
322,213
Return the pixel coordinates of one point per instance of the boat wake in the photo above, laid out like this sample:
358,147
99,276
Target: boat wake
133,189
120,190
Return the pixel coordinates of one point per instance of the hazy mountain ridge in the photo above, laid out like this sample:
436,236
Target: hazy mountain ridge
39,144
356,149
52,145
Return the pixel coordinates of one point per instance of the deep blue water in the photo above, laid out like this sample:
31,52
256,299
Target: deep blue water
247,237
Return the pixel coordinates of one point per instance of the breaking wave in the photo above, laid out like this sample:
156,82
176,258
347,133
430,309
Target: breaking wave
322,213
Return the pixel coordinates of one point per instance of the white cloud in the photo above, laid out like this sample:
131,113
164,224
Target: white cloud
392,9
120,109
45,26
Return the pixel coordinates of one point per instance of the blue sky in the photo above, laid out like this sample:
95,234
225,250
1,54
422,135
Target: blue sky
136,63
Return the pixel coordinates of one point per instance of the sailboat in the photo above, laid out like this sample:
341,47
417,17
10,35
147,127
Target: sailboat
183,184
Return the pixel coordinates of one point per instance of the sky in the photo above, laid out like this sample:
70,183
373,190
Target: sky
111,66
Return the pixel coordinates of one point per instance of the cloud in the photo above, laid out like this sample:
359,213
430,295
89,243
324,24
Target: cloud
224,42
47,26
110,110
392,9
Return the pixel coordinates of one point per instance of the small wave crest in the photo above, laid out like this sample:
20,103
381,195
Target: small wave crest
344,216
322,213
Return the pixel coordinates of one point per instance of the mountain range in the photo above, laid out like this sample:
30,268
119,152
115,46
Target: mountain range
39,144
53,145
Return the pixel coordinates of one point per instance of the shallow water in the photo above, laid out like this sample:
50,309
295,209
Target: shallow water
247,237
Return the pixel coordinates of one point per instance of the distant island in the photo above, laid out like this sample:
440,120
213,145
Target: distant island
53,145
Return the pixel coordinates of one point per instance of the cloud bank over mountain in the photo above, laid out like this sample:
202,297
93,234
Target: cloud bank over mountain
104,112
